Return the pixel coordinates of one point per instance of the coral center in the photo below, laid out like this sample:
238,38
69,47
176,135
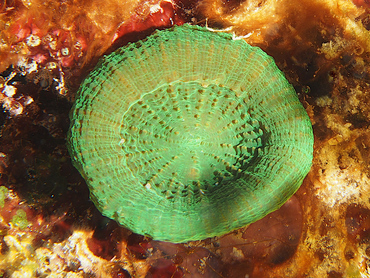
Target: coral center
186,138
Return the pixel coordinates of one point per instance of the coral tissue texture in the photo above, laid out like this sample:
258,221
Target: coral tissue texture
189,134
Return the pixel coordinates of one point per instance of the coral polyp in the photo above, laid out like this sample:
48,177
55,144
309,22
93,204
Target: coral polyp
189,134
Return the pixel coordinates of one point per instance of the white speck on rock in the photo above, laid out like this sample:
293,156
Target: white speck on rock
33,40
9,90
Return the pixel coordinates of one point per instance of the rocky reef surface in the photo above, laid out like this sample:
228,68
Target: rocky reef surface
50,228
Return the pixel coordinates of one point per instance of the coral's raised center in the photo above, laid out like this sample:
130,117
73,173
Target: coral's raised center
185,139
189,134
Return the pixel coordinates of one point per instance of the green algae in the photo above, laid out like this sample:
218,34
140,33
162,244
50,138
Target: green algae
3,194
20,219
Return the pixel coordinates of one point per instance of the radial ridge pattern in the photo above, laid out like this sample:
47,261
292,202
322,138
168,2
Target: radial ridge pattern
189,134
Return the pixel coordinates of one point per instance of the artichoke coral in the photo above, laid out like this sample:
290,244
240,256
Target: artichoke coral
189,134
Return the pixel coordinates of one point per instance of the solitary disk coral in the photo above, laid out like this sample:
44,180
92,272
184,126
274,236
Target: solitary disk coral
189,134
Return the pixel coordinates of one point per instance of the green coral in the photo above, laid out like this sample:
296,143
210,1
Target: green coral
189,134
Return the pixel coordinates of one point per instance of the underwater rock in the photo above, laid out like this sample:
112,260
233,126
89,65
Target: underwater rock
322,46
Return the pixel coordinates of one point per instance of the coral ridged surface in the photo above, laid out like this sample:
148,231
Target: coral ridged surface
189,134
